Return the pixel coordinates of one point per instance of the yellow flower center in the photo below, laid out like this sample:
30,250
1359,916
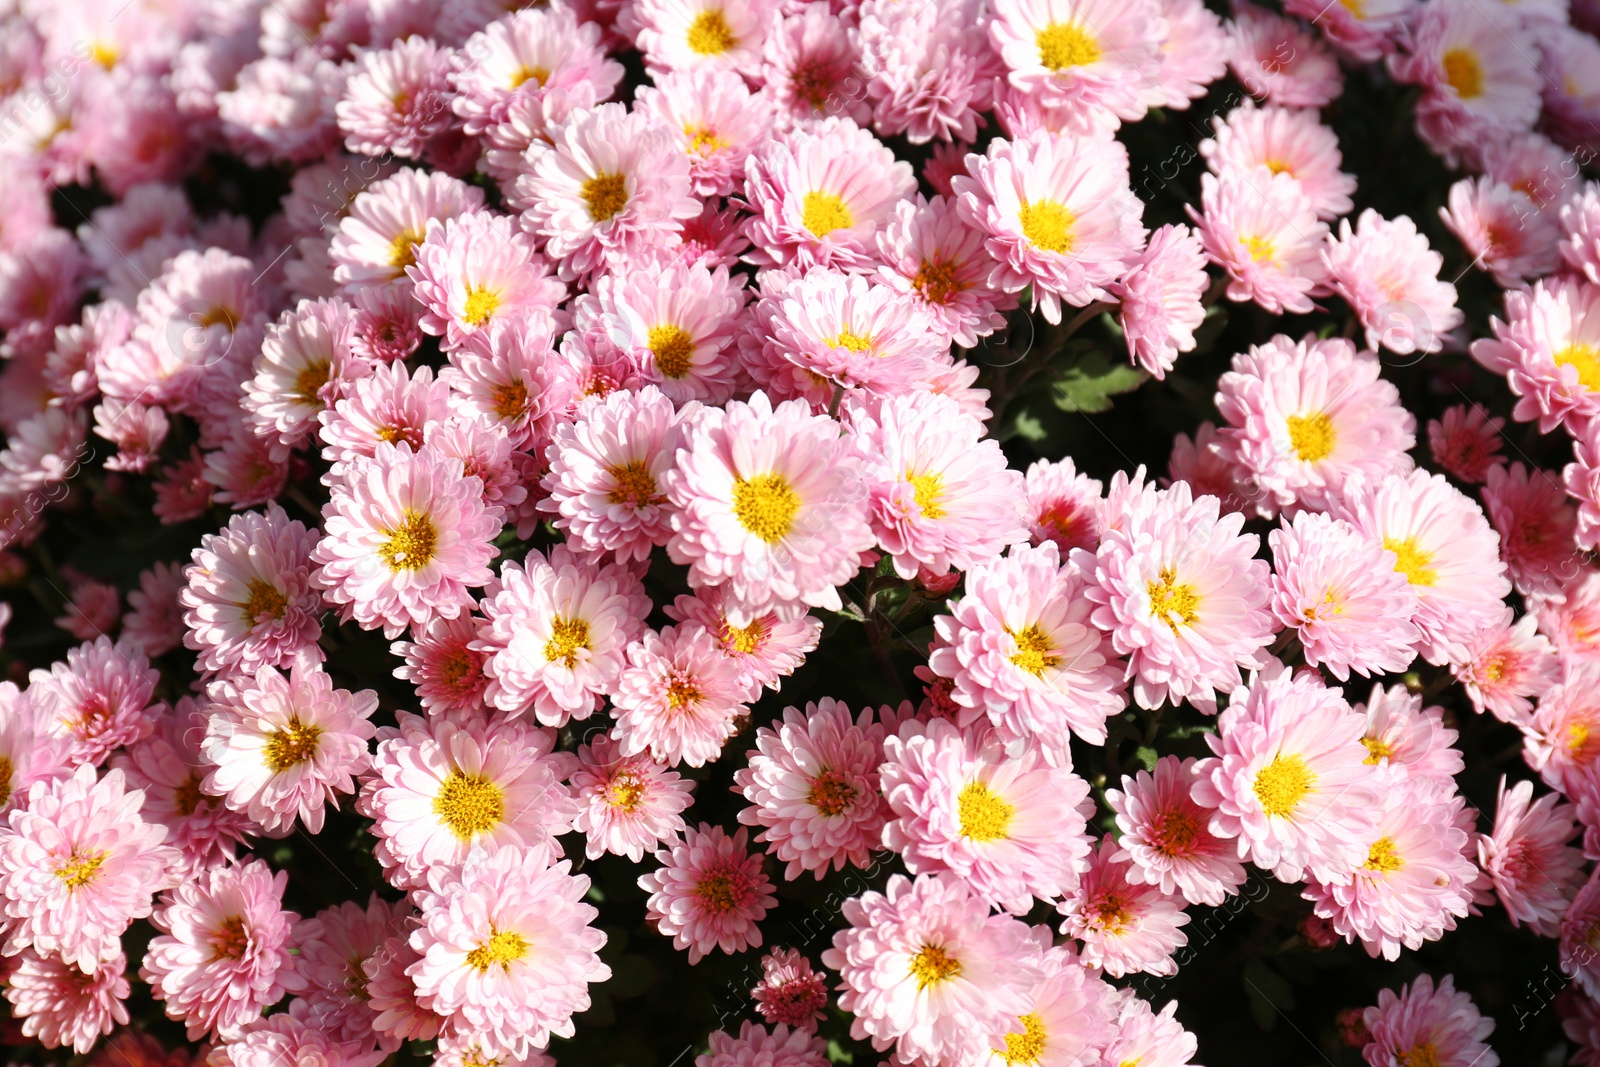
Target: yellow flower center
1261,249
217,315
80,870
625,791
721,890
1173,833
481,303
1585,359
931,965
524,75
927,488
1028,1046
1172,601
822,213
830,794
1358,8
1282,784
264,600
745,639
410,545
672,346
605,195
1035,650
703,141
510,398
633,485
937,281
230,940
1311,436
104,54
853,341
682,693
403,250
1111,914
1278,166
309,382
765,505
1063,45
1464,72
1047,224
501,950
6,770
469,804
1382,856
567,638
984,815
709,34
294,744
1412,561
1578,735
1422,1054
1378,750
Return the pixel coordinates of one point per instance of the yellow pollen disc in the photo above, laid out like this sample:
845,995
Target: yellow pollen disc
937,281
1261,249
822,213
217,316
830,794
984,815
853,341
309,382
1577,738
1422,1054
1028,1046
6,770
1412,561
709,34
672,346
927,488
1583,358
290,746
1378,750
1172,601
79,871
721,890
605,195
264,600
1282,784
567,638
703,141
1358,8
1464,72
1035,650
745,639
931,965
1382,856
524,75
187,797
481,303
459,670
1047,225
510,399
1278,166
1493,671
403,250
230,940
392,434
502,949
633,485
1312,436
1062,45
624,791
410,545
1173,833
469,804
1111,915
104,54
765,505
683,694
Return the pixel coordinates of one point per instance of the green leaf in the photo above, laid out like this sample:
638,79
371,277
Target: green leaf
1090,383
837,1054
1268,992
1028,427
1147,757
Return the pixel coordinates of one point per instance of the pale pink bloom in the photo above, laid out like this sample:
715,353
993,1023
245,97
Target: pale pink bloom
1569,82
1193,55
1278,60
811,68
930,69
819,197
1536,872
1012,829
926,969
99,699
386,324
556,633
226,949
1465,441
1125,927
1572,620
282,111
678,698
1505,665
30,748
246,471
77,865
440,789
1057,214
1444,546
766,650
756,1046
1289,779
1200,462
524,58
40,285
677,35
1149,1038
478,268
392,995
1365,31
1071,1016
394,100
1165,835
1263,230
832,329
448,673
281,746
790,993
1502,229
716,237
1442,1025
812,786
507,948
507,375
626,804
1582,481
1091,58
61,1005
377,240
1386,272
486,453
709,893
1562,739
476,1048
92,607
1179,591
1403,734
1536,526
136,430
1578,957
1063,505
305,365
716,120
391,406
43,450
293,1036
1549,351
930,254
1285,141
182,492
71,369
1159,300
1580,221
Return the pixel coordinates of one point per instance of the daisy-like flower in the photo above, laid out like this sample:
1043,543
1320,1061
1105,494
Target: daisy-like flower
98,699
385,325
390,406
525,57
1529,511
293,1036
770,504
1405,735
1571,622
64,1007
1386,272
378,239
77,865
929,69
30,748
1504,665
226,950
709,893
1071,1016
393,102
397,1016
1581,478
507,949
1285,141
508,375
1503,230
476,268
1063,505
812,784
1423,1023
1023,656
717,120
405,535
1465,441
1548,349
790,993
1125,927
1343,593
811,68
1365,31
304,364
1562,738
1149,1038
153,624
1057,215
678,35
249,602
820,196
333,965
1090,58
928,970
1159,300
281,746
757,1047
1166,836
614,184
1199,462
627,805
1262,228
1535,870
765,650
1290,780
1179,590
1445,548
678,697
441,789
448,673
1282,61
556,633
930,254
1011,828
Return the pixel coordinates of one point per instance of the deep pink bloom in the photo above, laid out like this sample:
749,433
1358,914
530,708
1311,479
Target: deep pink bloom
709,893
790,993
1441,1024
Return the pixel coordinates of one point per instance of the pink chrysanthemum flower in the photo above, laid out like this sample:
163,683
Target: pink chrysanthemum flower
527,56
1281,61
1290,779
1179,590
404,537
1070,1018
61,1005
790,993
765,650
928,970
716,119
1166,836
556,633
1582,481
247,471
709,893
378,239
1503,230
281,746
99,698
1529,511
390,406
1548,349
844,330
930,69
249,602
812,785
627,805
477,268
1411,738
1445,548
1562,739
1092,59
757,1047
1505,665
1125,927
448,673
77,865
1417,878
1344,595
385,325
92,607
439,790
1199,461
30,748
820,196
1057,213
393,995
1536,872
508,375
1422,1024
1263,230
507,948
1063,505
304,365
293,1036
394,99
182,492
1572,621
1386,272
226,950
1285,141
334,964
1159,300
1012,829
1365,32
1465,441
1023,656
486,453
678,697
677,35
930,254
1579,961
811,68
